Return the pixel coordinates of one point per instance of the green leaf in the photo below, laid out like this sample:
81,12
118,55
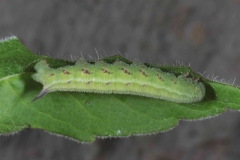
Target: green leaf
83,116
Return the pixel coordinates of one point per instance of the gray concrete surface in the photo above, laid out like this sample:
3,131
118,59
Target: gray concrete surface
205,34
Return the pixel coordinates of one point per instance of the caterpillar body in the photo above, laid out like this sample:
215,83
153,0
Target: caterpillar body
118,78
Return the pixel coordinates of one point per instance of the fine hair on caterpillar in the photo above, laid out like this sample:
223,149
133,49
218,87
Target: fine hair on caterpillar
118,78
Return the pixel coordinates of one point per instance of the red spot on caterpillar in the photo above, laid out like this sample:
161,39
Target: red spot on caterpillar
50,75
85,71
108,83
105,71
125,71
68,82
143,73
65,72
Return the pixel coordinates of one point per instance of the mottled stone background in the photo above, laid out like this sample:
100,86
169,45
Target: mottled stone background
203,33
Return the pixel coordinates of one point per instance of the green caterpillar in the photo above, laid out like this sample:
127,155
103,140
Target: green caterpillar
118,78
